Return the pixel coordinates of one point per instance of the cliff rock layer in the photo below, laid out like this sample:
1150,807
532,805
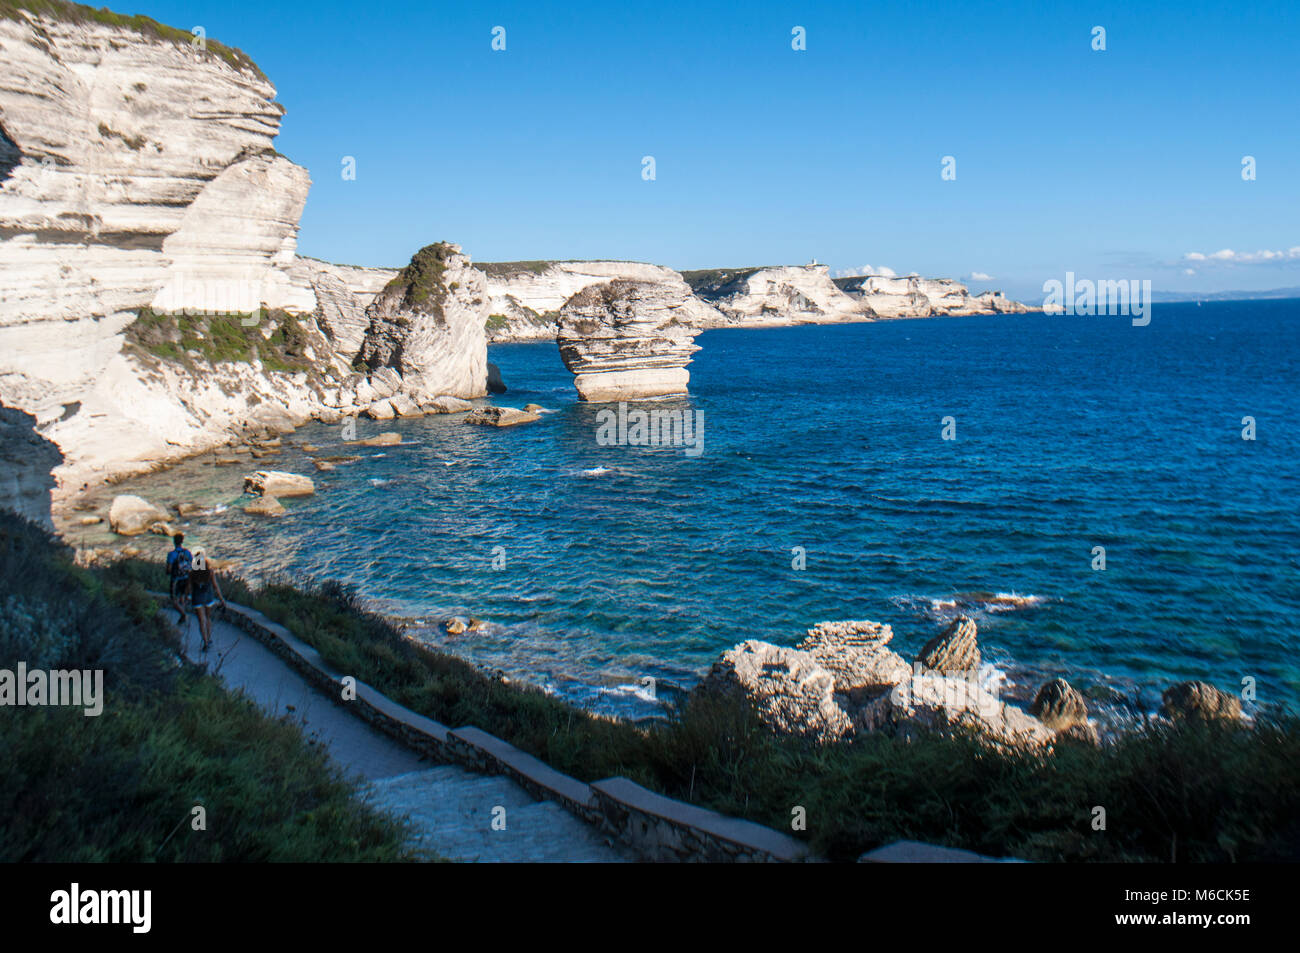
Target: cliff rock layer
629,340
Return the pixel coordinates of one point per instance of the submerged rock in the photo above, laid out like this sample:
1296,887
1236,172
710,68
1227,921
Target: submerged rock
389,439
1200,700
265,506
278,483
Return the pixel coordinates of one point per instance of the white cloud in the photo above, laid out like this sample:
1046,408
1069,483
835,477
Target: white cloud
979,276
1189,271
867,270
1246,257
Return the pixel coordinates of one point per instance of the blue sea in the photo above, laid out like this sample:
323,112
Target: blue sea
825,490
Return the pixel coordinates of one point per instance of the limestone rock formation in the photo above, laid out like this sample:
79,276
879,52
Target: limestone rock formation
629,340
1059,706
791,690
1199,700
779,295
151,302
912,296
265,506
955,649
446,404
278,483
843,679
427,325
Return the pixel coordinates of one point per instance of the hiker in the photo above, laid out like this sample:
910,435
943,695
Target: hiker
204,592
179,561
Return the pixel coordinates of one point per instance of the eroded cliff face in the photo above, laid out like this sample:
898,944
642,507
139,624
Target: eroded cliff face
526,297
141,206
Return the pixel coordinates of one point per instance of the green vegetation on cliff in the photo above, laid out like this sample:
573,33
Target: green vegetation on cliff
276,338
420,284
145,26
121,786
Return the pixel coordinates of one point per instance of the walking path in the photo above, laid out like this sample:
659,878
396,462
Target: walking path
454,813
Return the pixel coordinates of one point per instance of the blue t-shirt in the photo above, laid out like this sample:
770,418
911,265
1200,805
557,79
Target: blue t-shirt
178,563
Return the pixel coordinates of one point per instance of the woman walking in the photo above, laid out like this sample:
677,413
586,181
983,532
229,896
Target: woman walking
205,592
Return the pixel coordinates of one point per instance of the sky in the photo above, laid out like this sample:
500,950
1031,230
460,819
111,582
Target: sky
1125,162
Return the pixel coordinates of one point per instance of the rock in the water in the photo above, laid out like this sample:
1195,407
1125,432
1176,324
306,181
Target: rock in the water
446,404
495,385
323,465
427,327
499,417
131,515
534,409
278,483
265,506
955,649
455,625
1059,706
90,520
190,509
1200,700
388,439
629,340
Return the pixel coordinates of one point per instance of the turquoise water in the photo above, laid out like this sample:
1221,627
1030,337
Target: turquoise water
625,562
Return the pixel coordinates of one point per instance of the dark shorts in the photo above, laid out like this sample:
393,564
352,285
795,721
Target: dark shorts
203,597
178,586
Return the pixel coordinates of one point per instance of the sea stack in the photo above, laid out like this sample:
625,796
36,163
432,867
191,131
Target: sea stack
630,340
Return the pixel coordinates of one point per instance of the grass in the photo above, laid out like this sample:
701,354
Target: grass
1187,791
222,338
122,786
145,26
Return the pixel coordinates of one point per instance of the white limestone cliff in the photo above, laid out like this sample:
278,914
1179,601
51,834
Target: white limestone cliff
138,172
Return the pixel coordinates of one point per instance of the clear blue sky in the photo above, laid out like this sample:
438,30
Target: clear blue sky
1110,164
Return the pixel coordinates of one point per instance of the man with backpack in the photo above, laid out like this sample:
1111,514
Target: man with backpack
179,563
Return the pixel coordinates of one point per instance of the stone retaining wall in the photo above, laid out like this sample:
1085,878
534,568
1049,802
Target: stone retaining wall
658,828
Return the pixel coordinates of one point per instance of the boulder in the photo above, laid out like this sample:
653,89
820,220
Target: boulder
495,385
1199,700
499,417
404,406
278,483
131,515
955,649
455,625
534,409
446,404
90,520
190,509
380,410
265,506
323,465
792,692
944,703
1059,706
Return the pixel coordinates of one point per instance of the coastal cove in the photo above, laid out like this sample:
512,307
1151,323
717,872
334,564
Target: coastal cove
623,568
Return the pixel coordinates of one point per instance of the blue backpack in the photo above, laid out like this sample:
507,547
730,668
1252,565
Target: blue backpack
179,563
